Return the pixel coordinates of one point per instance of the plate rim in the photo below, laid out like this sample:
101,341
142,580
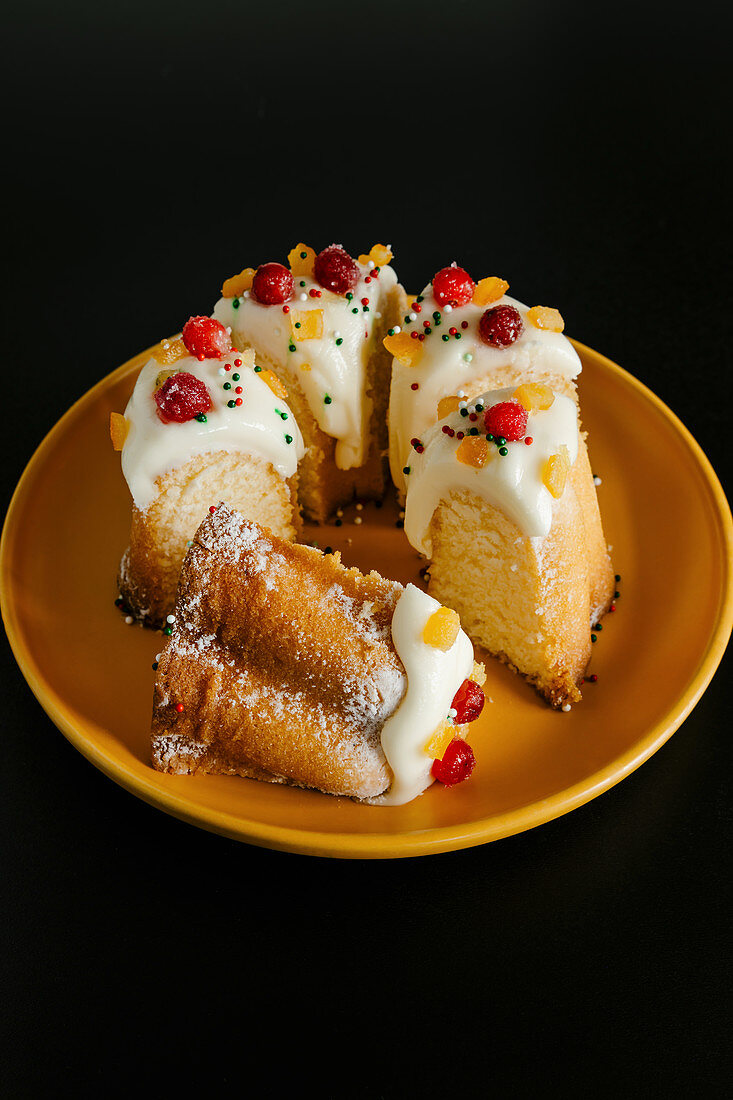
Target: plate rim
404,843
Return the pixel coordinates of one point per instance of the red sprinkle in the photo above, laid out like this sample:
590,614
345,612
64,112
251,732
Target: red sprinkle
212,509
529,440
180,708
457,764
415,386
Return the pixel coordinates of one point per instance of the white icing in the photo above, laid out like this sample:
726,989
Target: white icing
336,370
512,483
443,368
433,678
153,448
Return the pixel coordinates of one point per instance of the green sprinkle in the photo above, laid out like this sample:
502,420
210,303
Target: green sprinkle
355,310
168,631
436,316
201,418
227,386
304,255
339,341
155,666
288,439
366,309
257,370
231,404
503,452
420,298
618,577
446,337
349,296
405,469
235,378
500,440
302,282
327,400
616,595
407,321
390,332
297,324
235,303
464,412
479,407
593,638
490,437
458,336
291,347
473,431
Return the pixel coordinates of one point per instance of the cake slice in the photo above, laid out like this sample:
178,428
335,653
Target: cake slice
497,499
202,418
285,666
319,325
461,339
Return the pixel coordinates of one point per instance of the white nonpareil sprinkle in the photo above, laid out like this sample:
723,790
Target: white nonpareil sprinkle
303,297
246,294
448,308
452,713
567,707
222,372
378,316
129,619
396,329
229,329
358,520
170,618
597,481
468,357
412,316
371,264
460,393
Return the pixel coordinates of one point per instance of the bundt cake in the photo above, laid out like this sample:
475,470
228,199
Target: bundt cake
284,665
319,325
202,419
498,500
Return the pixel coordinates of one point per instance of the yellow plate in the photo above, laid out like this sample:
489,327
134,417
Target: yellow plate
664,514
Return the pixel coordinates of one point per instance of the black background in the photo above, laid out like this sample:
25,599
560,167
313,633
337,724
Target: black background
583,152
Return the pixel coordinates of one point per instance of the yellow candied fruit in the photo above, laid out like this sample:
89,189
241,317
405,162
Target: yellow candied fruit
489,290
534,396
555,472
274,383
473,450
447,405
441,629
546,317
379,254
168,351
236,286
119,426
161,377
306,324
301,259
406,350
440,740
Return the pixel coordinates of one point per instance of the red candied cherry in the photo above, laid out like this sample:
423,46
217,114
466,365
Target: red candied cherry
181,397
457,764
507,419
272,284
206,338
335,270
453,286
501,326
468,702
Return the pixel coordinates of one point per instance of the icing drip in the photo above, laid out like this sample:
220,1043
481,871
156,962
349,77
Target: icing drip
331,366
433,678
512,483
152,448
443,368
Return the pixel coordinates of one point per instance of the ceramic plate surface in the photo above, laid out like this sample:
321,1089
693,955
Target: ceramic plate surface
665,517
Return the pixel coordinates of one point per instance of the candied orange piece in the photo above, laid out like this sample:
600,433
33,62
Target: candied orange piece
441,629
161,377
274,383
534,396
119,426
236,286
301,259
306,324
404,348
489,290
555,472
168,351
546,317
379,254
473,450
440,740
447,405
